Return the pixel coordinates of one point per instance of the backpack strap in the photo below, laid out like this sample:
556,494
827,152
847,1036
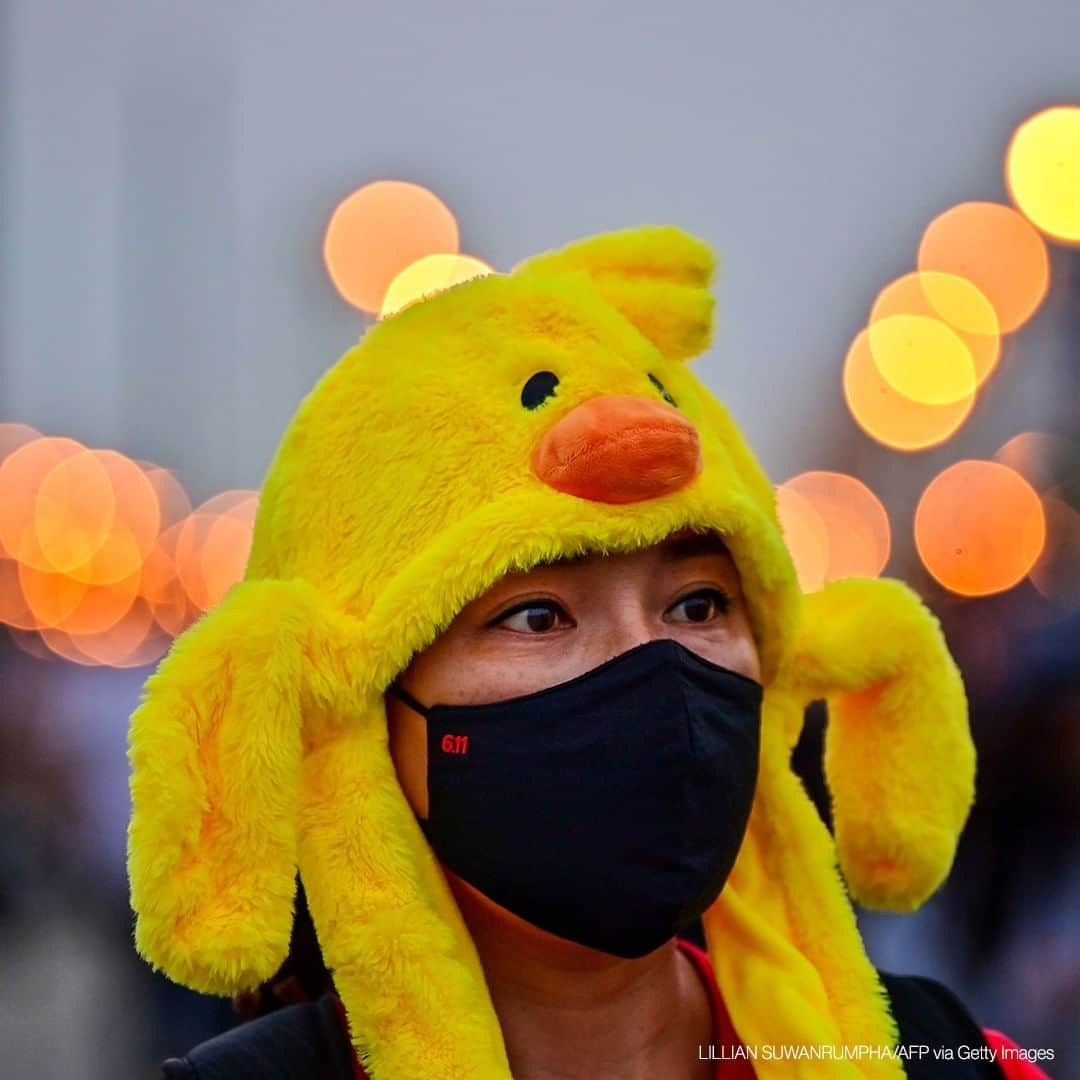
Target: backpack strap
937,1030
298,1042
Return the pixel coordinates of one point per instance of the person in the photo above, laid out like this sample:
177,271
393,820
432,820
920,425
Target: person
513,682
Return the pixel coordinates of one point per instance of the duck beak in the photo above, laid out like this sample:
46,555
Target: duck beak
619,449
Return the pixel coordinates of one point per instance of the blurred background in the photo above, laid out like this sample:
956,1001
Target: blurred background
204,205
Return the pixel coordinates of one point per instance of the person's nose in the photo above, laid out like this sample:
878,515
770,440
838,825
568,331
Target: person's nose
629,626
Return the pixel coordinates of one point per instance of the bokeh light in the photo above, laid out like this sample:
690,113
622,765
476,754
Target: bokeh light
29,642
379,230
12,436
858,537
213,544
14,610
87,570
21,475
65,647
131,642
922,359
806,537
1039,457
1056,574
430,275
998,250
1042,171
979,528
162,588
886,415
955,301
173,502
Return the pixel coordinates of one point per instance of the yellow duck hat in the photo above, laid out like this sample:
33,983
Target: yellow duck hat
413,477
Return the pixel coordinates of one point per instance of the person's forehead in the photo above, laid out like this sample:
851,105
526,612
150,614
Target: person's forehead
686,544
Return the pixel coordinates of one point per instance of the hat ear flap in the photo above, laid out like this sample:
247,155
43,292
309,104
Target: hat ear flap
899,760
215,748
657,276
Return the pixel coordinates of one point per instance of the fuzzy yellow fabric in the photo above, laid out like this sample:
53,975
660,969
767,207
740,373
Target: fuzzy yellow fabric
900,769
403,490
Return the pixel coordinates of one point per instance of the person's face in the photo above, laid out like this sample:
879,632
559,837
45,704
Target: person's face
535,629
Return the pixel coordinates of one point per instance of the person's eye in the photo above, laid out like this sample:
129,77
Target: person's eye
701,606
533,617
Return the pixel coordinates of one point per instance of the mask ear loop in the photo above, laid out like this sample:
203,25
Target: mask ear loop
403,695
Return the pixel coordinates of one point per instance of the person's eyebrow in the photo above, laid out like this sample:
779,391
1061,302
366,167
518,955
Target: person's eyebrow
692,547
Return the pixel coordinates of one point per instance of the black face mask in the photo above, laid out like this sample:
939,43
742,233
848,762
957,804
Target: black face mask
608,809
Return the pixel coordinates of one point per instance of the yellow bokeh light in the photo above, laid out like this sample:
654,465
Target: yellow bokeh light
979,528
886,415
995,248
430,275
1042,170
955,301
922,359
378,231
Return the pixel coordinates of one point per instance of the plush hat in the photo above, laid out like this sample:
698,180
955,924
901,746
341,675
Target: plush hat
512,420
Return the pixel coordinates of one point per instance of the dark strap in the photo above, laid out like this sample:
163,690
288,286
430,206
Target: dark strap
394,690
298,1042
932,1017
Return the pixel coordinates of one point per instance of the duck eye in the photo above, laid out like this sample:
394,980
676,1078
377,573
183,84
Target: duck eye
660,386
538,389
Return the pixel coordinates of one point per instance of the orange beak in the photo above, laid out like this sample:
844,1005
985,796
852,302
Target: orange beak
619,449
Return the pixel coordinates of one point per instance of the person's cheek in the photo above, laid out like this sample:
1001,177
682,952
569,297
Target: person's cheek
748,662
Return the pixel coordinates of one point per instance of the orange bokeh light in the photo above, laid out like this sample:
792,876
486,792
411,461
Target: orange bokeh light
93,547
173,502
29,642
213,545
14,609
998,250
21,475
12,436
74,511
979,528
66,603
115,646
857,527
953,300
806,537
64,646
379,230
162,588
889,417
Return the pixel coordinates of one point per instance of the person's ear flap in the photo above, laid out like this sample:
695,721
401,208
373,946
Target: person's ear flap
215,749
899,759
657,276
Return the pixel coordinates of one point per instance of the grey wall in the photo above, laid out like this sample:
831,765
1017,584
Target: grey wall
169,169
